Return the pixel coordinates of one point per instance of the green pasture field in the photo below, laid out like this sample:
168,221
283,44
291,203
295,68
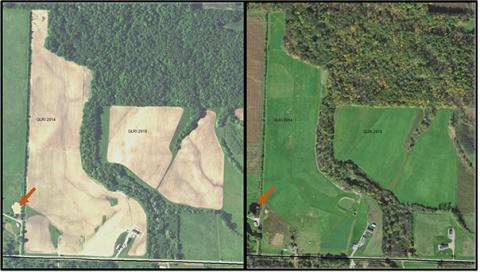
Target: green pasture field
429,166
374,215
361,222
206,237
15,88
379,154
233,194
303,197
231,138
431,228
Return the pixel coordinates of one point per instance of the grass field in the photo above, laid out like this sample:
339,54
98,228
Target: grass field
15,86
431,228
233,193
206,237
466,193
374,215
303,197
429,166
379,154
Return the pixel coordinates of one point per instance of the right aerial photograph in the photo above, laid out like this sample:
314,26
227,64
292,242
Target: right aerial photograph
361,135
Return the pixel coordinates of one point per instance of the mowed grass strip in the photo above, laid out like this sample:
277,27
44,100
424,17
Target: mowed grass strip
303,198
15,86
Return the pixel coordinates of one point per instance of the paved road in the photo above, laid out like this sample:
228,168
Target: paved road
123,259
13,218
378,258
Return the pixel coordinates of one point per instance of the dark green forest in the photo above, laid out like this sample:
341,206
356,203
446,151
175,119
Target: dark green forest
152,54
169,54
389,53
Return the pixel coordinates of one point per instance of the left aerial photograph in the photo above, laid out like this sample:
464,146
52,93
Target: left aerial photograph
122,135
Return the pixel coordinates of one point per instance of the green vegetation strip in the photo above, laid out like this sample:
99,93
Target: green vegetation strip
15,86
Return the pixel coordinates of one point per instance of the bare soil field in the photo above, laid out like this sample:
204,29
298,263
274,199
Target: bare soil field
255,77
75,204
139,138
196,176
239,113
39,239
255,85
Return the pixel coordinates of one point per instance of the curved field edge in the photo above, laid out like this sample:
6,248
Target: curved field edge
375,138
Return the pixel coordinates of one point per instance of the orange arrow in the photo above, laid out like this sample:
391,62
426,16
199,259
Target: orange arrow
264,197
24,198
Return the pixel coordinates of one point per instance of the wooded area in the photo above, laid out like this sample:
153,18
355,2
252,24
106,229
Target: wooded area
153,54
388,53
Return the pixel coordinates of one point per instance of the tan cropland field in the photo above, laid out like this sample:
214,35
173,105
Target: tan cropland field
39,239
239,113
196,175
65,195
146,154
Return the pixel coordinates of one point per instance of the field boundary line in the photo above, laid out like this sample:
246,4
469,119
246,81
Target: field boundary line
360,258
119,259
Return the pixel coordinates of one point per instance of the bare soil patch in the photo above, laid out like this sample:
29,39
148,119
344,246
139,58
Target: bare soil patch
38,235
239,113
139,138
255,77
277,239
275,227
68,198
195,177
9,228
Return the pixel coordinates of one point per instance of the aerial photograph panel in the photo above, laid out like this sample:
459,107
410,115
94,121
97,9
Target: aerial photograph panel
123,135
362,153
